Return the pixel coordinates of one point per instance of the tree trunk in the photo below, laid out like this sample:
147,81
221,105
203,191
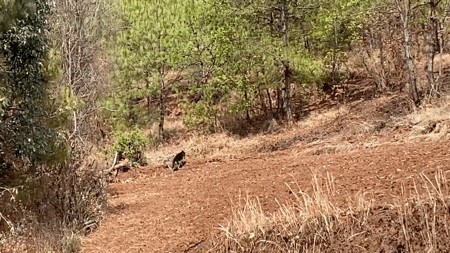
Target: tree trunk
334,64
383,77
262,101
148,97
162,106
269,100
279,103
286,91
412,76
149,105
441,42
432,47
247,112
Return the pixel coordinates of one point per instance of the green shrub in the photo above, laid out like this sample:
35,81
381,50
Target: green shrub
131,144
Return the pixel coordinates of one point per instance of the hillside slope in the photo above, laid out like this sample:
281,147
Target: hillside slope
154,210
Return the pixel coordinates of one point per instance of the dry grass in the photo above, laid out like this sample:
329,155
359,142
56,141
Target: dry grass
252,230
43,239
418,222
432,123
54,207
325,147
336,130
200,146
317,119
224,145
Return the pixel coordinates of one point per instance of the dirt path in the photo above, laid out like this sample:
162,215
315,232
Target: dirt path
154,210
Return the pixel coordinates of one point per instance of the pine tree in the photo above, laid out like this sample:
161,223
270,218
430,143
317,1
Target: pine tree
151,47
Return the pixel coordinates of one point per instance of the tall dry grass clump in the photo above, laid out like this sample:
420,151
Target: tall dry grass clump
417,222
432,123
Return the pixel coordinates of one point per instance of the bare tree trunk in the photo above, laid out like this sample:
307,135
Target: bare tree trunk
149,105
383,77
270,100
162,106
262,101
247,112
442,39
405,14
286,91
76,32
148,98
432,47
334,66
279,103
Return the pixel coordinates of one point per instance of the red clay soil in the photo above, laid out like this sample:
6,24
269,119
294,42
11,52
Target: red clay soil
154,210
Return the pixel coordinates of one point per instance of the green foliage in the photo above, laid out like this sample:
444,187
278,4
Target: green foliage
24,108
229,51
152,44
242,53
337,24
199,115
220,53
15,10
131,143
307,69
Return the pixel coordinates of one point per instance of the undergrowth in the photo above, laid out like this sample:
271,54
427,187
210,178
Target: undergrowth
51,210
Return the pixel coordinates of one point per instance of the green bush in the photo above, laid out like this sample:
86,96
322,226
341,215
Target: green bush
131,144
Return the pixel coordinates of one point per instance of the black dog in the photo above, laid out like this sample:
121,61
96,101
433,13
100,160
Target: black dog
178,161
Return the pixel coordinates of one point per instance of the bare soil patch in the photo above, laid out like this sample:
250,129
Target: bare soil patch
154,210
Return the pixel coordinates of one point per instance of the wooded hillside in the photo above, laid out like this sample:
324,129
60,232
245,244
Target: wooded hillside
86,82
